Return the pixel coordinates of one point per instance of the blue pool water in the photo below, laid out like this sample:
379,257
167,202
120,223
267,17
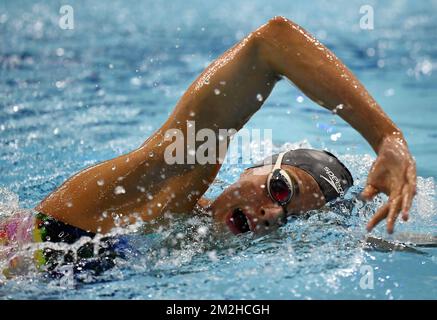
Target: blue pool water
71,98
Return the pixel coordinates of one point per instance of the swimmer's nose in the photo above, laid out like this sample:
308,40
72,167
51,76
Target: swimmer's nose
270,216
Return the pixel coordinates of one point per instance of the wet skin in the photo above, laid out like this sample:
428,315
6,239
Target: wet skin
279,48
249,197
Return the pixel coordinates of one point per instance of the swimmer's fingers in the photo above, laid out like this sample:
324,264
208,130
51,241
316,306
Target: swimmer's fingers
375,180
409,191
368,193
393,213
406,202
378,216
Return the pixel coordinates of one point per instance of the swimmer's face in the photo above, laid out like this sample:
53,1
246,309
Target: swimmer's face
246,206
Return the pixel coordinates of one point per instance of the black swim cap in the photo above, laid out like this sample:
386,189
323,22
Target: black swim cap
333,177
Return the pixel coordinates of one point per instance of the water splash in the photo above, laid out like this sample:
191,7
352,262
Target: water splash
9,203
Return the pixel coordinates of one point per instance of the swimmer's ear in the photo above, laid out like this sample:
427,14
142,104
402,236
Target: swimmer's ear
204,203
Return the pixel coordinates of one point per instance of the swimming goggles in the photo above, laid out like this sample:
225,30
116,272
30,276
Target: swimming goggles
280,186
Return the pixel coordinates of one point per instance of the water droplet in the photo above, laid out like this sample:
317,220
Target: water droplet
370,52
212,255
179,235
69,204
335,136
135,81
202,230
60,52
100,182
299,99
60,84
259,97
389,92
339,107
216,91
151,154
56,131
119,190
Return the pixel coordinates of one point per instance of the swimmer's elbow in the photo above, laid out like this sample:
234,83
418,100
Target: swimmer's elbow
274,28
279,21
280,24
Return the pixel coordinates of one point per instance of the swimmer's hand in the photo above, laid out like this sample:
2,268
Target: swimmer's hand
394,173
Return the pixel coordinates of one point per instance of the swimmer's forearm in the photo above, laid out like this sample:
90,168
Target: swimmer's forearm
294,53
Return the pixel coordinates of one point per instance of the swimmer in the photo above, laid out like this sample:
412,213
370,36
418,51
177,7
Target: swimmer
141,185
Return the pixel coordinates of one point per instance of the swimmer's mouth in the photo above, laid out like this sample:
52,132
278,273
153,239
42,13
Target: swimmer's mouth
238,222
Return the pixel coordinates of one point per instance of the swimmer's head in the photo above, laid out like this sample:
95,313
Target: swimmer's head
289,183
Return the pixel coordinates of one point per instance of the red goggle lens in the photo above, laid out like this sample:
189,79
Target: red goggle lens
279,190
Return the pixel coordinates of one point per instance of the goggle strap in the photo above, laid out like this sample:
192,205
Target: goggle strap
279,161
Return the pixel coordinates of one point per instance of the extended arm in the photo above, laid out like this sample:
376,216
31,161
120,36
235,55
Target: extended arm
292,52
282,48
